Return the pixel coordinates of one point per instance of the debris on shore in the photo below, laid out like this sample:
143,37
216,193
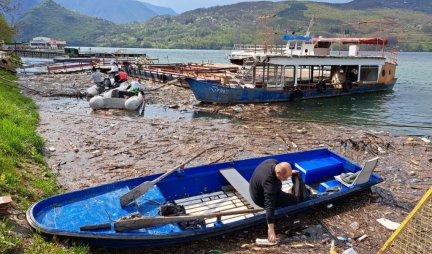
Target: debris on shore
96,147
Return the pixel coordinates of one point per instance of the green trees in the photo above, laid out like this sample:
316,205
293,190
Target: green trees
7,32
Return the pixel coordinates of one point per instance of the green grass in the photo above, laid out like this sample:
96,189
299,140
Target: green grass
23,173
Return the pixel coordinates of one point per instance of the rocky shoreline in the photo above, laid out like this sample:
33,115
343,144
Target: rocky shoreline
87,148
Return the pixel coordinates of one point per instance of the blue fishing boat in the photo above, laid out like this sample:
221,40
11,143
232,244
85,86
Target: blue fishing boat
217,194
306,68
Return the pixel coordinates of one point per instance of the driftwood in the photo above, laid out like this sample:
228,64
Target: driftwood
151,221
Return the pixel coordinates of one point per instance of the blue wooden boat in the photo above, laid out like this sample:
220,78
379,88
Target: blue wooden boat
210,91
202,189
306,68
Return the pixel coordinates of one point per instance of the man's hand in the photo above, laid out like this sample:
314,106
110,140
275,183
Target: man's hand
271,233
294,171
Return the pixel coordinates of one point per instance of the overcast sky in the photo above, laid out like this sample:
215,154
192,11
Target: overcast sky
185,5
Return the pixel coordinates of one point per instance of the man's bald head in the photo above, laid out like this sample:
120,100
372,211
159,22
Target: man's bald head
283,170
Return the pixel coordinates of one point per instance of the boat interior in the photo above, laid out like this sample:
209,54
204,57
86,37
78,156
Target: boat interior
306,77
204,189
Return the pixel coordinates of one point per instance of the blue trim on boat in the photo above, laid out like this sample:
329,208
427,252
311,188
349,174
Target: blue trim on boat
213,92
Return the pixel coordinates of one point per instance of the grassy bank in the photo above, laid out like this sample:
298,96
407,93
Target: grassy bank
23,172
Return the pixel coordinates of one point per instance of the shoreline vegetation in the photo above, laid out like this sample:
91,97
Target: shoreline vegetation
24,175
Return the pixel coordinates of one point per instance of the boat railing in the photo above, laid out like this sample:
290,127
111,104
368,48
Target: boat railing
255,48
391,56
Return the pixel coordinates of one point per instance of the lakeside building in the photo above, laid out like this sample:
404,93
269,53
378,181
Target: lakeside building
45,42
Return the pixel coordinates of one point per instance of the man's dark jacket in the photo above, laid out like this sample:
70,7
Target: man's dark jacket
264,187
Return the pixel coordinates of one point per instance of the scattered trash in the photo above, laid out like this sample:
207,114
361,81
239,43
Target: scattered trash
414,162
300,246
265,242
380,150
354,225
329,206
238,109
388,223
426,140
361,238
314,232
412,173
51,149
349,251
342,238
410,139
5,202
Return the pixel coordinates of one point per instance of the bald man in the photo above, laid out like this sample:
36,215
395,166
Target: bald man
265,187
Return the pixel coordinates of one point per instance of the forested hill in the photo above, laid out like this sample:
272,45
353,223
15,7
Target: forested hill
222,26
51,20
415,5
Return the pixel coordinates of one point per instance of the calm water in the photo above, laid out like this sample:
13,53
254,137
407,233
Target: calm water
409,104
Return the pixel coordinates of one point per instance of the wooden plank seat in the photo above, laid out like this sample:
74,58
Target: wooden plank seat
223,201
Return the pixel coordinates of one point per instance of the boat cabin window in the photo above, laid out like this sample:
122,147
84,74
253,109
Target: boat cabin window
323,44
274,75
292,45
352,73
288,74
304,74
369,73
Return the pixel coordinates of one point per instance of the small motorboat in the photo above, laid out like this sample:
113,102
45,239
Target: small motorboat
215,194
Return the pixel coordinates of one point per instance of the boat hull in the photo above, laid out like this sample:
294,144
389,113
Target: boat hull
64,214
213,92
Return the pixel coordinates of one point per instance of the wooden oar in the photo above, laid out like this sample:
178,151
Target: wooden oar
145,186
150,221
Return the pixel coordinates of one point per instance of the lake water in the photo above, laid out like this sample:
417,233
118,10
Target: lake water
407,110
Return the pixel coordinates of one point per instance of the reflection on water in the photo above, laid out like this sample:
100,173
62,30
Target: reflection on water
341,109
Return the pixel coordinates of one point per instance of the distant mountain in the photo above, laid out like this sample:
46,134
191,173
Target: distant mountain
52,20
159,9
117,11
416,5
20,7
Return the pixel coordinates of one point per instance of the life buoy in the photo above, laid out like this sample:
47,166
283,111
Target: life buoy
296,95
347,85
321,86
